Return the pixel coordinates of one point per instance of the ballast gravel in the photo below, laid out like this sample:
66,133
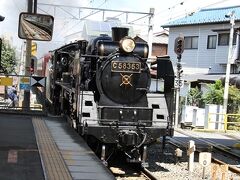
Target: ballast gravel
165,166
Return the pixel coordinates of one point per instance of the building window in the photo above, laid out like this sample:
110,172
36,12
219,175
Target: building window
212,41
191,42
223,39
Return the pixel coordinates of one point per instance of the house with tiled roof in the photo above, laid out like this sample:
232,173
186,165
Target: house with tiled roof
159,42
206,35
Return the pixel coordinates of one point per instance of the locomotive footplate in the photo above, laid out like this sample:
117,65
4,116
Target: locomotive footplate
126,125
126,115
112,133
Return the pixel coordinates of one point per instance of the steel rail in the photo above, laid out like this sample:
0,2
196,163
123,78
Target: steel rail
231,167
220,148
148,174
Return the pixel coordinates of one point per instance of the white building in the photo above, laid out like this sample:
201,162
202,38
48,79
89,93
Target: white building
206,35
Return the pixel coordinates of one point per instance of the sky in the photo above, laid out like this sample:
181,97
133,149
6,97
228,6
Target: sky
65,24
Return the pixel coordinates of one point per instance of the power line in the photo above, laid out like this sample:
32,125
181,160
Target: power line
46,12
184,2
104,2
181,3
91,13
19,9
181,14
61,30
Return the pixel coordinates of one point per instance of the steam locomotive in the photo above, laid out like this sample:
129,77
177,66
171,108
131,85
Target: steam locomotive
102,88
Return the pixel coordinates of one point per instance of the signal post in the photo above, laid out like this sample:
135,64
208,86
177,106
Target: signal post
178,48
32,8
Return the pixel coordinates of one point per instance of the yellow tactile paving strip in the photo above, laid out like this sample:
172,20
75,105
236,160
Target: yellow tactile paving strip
54,165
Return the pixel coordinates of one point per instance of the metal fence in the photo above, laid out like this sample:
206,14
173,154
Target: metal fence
224,121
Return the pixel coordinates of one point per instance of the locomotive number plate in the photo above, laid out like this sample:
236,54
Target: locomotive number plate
120,66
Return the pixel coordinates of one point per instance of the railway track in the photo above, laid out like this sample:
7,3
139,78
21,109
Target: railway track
169,167
132,172
121,169
33,31
148,174
220,153
210,143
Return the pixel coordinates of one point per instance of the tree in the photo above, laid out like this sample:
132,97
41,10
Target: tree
8,58
233,107
215,93
194,97
234,100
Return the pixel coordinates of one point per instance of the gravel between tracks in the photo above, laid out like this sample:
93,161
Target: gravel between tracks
163,166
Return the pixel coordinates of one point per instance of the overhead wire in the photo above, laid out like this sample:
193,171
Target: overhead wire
73,26
16,6
182,14
181,3
47,12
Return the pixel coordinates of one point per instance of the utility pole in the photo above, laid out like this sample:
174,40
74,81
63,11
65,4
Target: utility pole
0,53
150,31
1,19
236,54
32,8
228,68
178,48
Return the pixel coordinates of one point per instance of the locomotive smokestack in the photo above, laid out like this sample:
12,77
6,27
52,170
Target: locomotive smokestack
119,32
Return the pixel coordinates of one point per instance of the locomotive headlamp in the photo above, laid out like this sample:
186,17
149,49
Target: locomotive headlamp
127,44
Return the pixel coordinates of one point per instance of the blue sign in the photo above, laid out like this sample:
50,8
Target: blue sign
25,86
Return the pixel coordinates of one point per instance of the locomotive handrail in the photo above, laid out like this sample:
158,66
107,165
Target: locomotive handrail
142,89
123,107
95,56
69,53
116,123
115,120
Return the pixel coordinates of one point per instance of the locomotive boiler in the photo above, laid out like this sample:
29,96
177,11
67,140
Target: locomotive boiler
102,88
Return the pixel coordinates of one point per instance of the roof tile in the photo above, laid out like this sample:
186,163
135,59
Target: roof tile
206,16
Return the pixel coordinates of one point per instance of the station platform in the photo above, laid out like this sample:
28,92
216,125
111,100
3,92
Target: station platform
42,147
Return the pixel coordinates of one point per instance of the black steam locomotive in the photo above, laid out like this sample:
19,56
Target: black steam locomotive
102,87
